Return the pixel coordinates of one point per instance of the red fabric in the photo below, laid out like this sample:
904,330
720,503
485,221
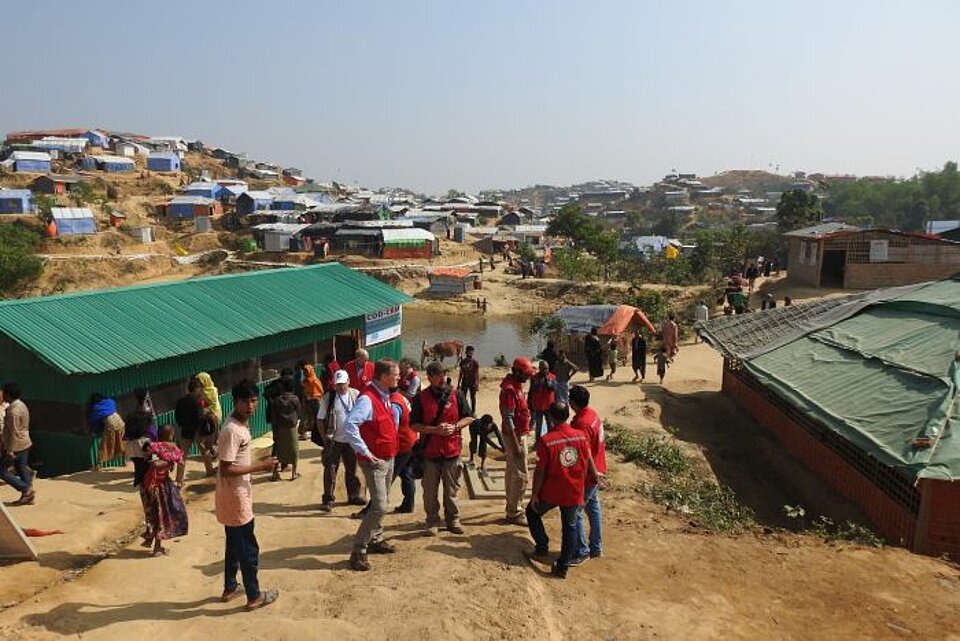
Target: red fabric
441,446
407,379
380,432
562,456
512,399
331,369
590,422
406,437
33,532
361,380
541,396
163,451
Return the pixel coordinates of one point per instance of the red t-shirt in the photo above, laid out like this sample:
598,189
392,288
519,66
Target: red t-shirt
512,400
562,455
590,422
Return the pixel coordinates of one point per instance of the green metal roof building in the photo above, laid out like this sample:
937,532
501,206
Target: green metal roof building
865,391
63,348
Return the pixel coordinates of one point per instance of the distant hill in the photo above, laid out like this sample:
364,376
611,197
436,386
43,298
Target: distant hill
754,180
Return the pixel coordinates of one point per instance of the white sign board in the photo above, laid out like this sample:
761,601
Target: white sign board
14,544
879,251
383,325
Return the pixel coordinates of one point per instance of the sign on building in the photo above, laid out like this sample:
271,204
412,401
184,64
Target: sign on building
383,325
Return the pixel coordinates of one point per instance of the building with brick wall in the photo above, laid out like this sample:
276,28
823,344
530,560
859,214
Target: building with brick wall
842,256
863,391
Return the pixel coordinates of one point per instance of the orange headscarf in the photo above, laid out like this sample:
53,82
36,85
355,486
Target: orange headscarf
312,387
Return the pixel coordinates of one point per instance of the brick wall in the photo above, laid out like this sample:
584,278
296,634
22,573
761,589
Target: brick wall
895,522
873,275
939,532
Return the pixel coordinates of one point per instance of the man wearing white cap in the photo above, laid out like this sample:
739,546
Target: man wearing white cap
334,407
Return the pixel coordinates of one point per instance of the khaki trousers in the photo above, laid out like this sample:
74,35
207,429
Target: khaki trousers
447,473
515,474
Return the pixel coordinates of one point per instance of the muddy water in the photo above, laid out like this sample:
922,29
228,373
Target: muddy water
490,336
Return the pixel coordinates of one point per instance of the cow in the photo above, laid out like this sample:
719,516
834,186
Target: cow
441,350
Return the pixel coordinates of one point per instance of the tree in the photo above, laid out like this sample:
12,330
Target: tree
798,209
18,261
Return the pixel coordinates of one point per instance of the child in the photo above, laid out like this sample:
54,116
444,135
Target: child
482,432
164,509
661,358
612,356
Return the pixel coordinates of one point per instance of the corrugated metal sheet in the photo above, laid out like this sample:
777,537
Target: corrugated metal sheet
70,213
191,200
31,155
114,160
406,234
15,193
104,331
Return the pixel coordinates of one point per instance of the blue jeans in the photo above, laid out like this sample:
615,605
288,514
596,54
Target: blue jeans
538,421
568,520
563,391
591,497
243,553
22,479
408,486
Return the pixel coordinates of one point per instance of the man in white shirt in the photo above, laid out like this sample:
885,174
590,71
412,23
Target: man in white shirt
701,315
334,408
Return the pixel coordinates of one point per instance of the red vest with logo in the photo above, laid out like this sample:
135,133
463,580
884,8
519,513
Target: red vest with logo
406,437
590,423
359,381
511,397
541,396
562,453
380,432
445,447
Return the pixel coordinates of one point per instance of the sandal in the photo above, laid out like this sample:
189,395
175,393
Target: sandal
265,599
230,595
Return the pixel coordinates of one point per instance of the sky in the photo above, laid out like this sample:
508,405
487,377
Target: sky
498,94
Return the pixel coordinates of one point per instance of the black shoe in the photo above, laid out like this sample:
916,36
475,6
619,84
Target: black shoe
596,555
356,501
403,509
359,514
541,554
358,562
558,571
580,560
380,547
326,507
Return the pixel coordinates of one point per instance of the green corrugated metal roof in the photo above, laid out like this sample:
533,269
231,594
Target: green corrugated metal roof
103,331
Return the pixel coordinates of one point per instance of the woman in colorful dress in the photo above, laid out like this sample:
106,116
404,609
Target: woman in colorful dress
165,513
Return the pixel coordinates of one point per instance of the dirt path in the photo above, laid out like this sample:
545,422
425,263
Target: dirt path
660,577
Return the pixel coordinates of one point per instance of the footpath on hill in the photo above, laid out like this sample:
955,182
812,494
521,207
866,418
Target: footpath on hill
663,576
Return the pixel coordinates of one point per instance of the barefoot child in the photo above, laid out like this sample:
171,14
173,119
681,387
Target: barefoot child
661,358
164,509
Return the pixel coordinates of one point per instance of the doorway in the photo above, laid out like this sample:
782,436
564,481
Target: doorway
831,270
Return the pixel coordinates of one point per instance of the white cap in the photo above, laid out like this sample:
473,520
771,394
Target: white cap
341,376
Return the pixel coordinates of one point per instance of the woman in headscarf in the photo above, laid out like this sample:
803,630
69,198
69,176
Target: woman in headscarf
594,352
284,419
106,422
164,510
312,393
211,402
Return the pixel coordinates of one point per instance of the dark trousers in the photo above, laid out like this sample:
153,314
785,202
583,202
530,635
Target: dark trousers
243,553
640,365
570,537
408,486
471,395
333,454
479,442
22,477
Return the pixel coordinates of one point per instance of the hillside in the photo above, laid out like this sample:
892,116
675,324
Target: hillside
756,181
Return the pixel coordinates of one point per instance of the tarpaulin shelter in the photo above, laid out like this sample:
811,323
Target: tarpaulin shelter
864,391
610,320
451,280
73,220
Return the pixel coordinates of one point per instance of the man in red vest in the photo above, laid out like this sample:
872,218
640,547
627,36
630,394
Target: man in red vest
371,430
360,370
515,425
587,420
563,465
543,390
407,439
440,413
409,379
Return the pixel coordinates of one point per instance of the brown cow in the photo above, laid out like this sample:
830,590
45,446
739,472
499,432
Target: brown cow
441,350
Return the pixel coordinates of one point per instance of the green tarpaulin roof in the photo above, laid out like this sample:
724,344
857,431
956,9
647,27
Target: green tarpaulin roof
104,331
881,369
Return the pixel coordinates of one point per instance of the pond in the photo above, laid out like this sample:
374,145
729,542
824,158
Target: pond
490,336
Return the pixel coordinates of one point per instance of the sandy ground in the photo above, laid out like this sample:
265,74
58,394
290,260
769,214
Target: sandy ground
660,577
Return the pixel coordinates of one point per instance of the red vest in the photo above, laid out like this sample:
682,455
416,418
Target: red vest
406,437
511,398
331,369
406,380
380,432
446,447
541,396
589,421
361,380
562,454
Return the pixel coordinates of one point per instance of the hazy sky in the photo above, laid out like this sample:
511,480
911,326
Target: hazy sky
472,95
